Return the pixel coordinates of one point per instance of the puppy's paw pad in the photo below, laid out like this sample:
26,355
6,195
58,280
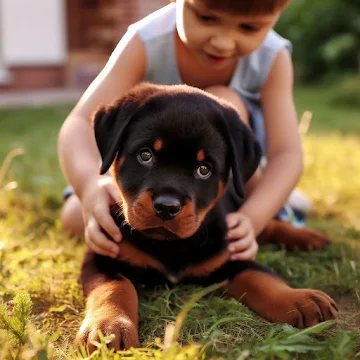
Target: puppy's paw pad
311,307
124,331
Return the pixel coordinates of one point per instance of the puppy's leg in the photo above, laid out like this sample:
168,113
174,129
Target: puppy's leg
111,307
268,296
278,232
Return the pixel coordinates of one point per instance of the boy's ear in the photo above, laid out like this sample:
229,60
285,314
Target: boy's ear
244,150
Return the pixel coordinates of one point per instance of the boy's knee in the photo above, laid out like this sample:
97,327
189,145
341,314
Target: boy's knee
71,216
233,97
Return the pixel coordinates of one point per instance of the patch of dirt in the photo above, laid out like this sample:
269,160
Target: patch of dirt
349,313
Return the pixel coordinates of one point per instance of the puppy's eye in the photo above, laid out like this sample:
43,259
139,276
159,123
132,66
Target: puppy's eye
145,156
204,171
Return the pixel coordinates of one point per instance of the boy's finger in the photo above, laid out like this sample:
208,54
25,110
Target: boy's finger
238,232
249,254
96,249
240,245
114,193
93,247
97,239
106,222
232,220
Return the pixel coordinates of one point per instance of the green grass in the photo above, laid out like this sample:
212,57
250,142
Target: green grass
35,130
328,117
38,258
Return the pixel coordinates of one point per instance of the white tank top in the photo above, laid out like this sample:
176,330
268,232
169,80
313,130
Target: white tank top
157,34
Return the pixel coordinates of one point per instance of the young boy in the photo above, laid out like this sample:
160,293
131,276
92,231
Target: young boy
228,48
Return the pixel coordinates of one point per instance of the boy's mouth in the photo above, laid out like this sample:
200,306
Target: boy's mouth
215,59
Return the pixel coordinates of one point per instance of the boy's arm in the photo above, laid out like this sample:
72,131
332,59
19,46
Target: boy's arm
284,153
78,154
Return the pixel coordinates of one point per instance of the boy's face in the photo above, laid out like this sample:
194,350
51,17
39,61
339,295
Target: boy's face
218,39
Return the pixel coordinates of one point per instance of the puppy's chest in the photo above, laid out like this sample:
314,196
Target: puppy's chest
175,262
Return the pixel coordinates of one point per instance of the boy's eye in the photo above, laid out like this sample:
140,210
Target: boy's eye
206,18
249,28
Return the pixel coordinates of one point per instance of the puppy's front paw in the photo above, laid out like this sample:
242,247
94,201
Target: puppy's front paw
124,329
303,308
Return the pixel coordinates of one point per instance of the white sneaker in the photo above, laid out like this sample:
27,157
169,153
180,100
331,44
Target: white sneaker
299,201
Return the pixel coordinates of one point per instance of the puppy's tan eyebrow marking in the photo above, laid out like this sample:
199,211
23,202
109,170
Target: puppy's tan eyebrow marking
200,156
158,144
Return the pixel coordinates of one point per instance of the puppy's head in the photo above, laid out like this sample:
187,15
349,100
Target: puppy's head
171,149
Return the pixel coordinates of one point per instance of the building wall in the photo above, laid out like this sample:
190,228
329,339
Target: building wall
94,31
36,36
33,32
33,46
137,9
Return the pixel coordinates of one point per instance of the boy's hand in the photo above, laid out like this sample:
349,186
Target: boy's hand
241,234
96,202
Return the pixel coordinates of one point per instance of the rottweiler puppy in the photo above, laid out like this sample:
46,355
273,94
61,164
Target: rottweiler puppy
180,158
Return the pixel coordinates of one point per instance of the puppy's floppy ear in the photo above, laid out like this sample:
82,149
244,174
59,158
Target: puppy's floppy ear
244,150
111,122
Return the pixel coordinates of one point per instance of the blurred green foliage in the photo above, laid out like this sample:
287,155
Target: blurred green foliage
325,36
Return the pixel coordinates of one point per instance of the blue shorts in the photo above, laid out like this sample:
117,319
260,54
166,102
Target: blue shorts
68,191
256,117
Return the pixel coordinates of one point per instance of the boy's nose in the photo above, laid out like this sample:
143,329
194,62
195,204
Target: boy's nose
223,44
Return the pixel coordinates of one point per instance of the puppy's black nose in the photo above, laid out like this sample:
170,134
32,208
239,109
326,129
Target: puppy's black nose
166,207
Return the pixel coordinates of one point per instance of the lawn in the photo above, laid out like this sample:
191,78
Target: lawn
39,260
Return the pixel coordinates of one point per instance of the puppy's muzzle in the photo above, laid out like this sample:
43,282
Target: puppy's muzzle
166,207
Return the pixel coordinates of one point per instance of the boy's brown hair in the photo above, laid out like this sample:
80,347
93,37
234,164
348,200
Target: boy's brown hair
245,7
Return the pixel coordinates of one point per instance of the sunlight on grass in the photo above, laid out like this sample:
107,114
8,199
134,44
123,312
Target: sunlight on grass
36,255
4,168
331,176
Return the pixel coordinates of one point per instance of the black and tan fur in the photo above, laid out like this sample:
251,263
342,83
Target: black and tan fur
160,142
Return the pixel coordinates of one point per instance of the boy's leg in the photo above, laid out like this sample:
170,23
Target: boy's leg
71,216
232,97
